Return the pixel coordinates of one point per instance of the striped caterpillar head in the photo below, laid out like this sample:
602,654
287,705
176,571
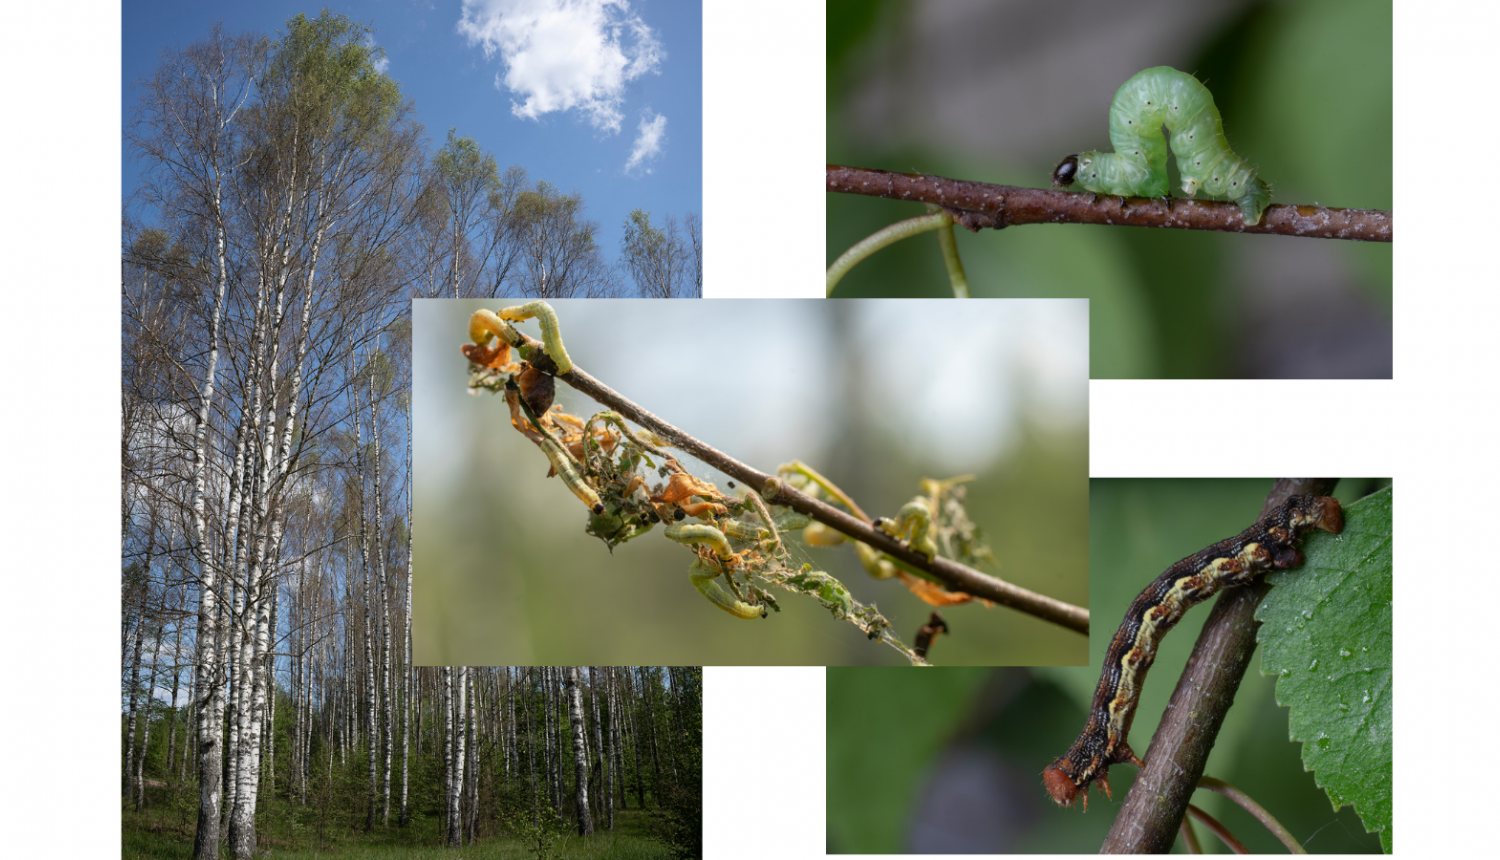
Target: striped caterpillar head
1323,512
1061,786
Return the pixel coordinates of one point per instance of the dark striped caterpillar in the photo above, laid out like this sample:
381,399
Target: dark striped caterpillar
1270,544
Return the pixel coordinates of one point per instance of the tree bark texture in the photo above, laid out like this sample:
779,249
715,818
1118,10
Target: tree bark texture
580,761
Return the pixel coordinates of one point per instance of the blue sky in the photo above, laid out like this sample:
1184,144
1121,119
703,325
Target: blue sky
603,97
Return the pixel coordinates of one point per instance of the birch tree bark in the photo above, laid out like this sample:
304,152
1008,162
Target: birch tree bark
471,794
176,681
580,762
631,709
449,796
150,700
406,667
380,584
135,691
612,756
455,823
185,130
596,781
531,743
371,695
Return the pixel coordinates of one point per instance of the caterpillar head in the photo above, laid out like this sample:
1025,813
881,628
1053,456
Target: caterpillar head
1065,172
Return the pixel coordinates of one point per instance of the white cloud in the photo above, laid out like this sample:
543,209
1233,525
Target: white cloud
564,54
649,142
384,62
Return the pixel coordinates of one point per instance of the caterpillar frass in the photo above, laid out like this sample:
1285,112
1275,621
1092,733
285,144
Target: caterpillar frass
1138,166
1270,544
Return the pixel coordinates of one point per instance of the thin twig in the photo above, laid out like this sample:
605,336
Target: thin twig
1248,803
957,577
951,260
1153,810
1218,830
979,204
1190,836
883,238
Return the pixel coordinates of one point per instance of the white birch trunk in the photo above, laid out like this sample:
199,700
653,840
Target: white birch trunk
380,585
135,688
471,793
140,764
406,668
597,782
208,682
448,799
617,764
531,743
580,755
609,752
176,682
455,823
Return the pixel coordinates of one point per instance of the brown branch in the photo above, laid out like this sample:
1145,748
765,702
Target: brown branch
955,576
979,204
1152,812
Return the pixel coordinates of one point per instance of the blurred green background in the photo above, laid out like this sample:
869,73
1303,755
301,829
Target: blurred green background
874,394
950,761
1001,92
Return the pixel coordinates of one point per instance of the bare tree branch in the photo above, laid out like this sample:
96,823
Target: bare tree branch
955,576
979,204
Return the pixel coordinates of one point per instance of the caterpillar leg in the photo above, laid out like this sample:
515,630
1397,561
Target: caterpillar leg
705,578
551,336
1253,203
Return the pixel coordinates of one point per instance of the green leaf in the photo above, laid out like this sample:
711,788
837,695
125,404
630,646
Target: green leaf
1327,636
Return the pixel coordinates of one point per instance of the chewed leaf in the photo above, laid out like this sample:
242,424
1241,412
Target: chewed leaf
1326,630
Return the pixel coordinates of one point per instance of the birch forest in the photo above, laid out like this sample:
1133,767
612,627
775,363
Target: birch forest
291,208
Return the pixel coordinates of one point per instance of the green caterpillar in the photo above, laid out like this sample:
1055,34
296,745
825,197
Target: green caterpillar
1138,166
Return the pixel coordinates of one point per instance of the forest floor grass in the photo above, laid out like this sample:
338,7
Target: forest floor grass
163,833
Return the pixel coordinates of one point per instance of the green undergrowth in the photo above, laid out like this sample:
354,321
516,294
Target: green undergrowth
160,833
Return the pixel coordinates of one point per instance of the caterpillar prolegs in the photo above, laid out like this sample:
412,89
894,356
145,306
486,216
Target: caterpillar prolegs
1138,166
1270,544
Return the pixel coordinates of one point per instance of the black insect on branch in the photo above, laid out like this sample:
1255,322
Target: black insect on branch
976,205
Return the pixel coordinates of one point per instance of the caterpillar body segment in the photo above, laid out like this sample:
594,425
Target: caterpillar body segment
484,325
551,336
1163,96
697,533
913,524
874,561
705,578
567,470
741,530
790,521
1269,544
818,534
